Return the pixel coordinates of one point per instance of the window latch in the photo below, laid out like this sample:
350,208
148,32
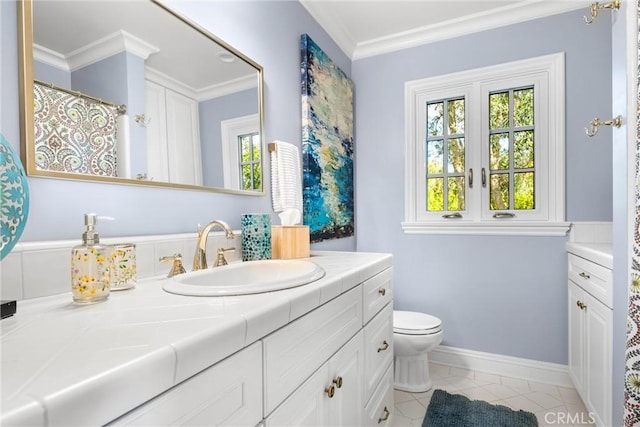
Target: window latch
501,215
471,178
452,216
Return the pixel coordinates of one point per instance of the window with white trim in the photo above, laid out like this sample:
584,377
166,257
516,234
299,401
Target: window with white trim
241,153
485,150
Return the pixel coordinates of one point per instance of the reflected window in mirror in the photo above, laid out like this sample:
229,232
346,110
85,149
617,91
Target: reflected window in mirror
251,160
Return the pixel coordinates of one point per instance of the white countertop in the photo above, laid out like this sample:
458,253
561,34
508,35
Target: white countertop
600,253
68,364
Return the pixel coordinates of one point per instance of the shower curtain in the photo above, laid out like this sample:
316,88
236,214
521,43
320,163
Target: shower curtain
632,371
74,134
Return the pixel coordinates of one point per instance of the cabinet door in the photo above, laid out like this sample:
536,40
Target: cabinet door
156,133
346,374
183,139
296,350
576,336
332,396
307,406
598,319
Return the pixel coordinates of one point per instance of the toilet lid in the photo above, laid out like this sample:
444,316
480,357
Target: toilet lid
414,323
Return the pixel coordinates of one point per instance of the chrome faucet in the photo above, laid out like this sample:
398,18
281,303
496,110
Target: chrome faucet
200,258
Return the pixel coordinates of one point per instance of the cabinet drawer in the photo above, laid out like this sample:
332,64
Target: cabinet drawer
378,355
593,278
299,348
381,405
378,291
228,393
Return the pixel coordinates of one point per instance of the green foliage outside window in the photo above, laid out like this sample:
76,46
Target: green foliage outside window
446,155
511,177
250,161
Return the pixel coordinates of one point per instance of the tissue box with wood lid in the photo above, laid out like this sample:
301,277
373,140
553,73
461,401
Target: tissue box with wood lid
289,241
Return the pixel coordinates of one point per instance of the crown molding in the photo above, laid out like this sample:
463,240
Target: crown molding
209,92
231,86
338,32
50,57
120,41
168,82
468,24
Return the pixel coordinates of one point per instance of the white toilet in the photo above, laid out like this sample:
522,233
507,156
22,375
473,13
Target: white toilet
414,335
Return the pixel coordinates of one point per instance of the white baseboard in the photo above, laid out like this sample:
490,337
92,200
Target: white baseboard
527,369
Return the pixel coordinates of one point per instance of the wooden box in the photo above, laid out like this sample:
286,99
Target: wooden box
289,241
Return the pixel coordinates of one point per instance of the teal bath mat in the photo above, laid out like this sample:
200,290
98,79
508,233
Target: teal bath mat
454,410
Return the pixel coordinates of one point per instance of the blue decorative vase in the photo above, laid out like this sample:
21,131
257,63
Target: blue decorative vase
14,192
256,237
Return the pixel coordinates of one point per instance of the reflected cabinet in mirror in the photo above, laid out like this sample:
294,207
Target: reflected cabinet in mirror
132,92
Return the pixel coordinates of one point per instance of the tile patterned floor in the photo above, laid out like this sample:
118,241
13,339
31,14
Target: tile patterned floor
552,405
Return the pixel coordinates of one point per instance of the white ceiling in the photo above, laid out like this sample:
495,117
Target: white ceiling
173,43
371,27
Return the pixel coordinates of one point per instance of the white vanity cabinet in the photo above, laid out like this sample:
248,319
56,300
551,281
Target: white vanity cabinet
354,386
228,393
590,335
319,354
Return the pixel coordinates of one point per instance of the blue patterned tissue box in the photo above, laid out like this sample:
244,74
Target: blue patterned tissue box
256,237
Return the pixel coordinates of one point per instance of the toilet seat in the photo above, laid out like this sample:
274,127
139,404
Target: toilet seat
414,323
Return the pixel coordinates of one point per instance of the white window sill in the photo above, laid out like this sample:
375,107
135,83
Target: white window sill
488,229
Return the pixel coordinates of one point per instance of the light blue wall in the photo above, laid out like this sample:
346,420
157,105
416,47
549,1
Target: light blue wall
211,113
502,295
105,79
505,295
57,206
49,74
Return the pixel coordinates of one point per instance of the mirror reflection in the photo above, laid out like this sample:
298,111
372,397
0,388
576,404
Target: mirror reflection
132,92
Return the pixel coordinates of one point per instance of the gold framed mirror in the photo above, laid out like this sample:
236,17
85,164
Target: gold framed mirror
134,93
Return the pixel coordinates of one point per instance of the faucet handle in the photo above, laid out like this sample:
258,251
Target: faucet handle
220,259
177,267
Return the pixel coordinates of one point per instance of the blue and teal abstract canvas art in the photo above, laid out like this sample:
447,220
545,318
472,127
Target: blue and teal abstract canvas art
327,145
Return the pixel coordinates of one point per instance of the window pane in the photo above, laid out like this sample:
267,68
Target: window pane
245,148
455,193
456,116
524,190
257,177
435,157
435,113
256,147
499,151
435,194
523,149
499,110
455,155
499,191
246,177
523,107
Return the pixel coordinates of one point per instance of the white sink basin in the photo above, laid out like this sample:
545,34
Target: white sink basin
242,278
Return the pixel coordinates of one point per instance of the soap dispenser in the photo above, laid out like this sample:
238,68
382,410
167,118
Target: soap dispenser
90,264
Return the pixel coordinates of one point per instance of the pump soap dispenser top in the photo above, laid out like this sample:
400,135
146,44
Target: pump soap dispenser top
90,263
